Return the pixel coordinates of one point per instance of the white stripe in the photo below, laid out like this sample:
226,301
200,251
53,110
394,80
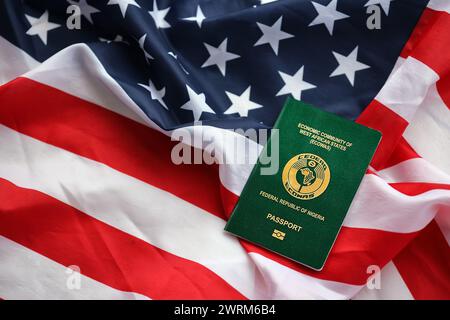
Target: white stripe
77,71
407,87
139,209
378,206
14,61
429,131
285,283
440,5
414,170
397,66
25,274
392,287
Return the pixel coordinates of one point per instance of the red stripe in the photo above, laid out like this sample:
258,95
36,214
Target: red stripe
443,87
430,41
106,254
425,265
65,121
416,188
390,124
402,152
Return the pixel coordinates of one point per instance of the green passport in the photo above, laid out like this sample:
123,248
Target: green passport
298,211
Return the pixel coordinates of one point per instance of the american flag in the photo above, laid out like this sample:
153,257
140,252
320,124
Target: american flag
88,186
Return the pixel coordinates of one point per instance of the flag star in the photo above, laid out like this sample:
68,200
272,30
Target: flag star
197,104
148,57
327,15
199,17
123,4
219,56
348,65
40,26
155,93
385,4
159,16
86,10
267,1
241,104
294,84
272,35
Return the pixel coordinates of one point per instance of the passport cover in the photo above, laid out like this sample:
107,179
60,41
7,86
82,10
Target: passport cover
299,211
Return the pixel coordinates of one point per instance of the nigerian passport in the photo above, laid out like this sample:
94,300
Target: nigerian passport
298,211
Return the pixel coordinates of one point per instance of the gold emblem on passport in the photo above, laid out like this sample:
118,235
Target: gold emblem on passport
278,234
306,176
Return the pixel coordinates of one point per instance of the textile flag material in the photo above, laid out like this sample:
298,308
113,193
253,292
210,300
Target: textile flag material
92,91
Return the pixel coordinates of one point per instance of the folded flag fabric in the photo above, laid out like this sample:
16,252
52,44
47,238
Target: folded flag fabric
91,92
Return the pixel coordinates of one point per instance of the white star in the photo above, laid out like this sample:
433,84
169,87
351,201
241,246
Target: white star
159,16
155,93
123,4
148,57
294,84
219,56
385,4
41,26
348,65
327,15
199,17
86,10
241,104
267,1
197,104
272,35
